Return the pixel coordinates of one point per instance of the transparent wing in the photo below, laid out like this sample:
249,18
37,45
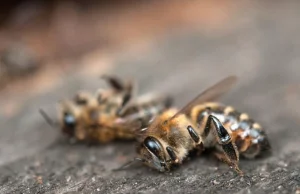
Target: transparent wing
210,94
132,125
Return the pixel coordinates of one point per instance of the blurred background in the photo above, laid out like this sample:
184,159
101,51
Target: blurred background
43,41
51,49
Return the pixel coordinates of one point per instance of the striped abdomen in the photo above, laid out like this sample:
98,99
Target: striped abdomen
146,110
248,135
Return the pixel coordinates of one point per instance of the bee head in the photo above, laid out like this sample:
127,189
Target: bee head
69,123
68,117
157,152
152,154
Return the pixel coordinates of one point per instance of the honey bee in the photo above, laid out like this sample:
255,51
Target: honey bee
110,114
200,125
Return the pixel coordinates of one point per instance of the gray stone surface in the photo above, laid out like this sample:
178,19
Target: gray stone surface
262,47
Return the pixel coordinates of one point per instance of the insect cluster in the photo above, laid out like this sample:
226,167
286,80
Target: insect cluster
165,135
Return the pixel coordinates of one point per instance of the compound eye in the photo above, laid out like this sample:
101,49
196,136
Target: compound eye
153,145
69,119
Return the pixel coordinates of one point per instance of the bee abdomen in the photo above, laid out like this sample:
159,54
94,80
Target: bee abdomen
243,125
249,136
200,113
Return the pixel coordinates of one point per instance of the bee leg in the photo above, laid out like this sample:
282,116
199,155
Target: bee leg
82,98
193,134
119,85
195,137
129,93
114,82
172,154
124,104
129,163
224,138
222,157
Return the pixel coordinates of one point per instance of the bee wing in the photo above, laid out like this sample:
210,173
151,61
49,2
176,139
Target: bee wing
132,125
210,94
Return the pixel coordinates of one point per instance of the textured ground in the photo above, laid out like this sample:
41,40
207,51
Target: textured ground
260,44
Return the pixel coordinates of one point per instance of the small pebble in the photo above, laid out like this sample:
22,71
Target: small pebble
68,179
213,168
264,174
39,179
264,168
98,189
37,163
295,173
282,164
278,169
215,182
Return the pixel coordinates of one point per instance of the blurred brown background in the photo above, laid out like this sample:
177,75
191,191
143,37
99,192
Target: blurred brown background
41,39
51,49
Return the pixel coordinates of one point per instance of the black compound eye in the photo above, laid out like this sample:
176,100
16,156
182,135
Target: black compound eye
152,145
69,120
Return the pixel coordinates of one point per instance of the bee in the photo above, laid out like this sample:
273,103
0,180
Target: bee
201,124
110,114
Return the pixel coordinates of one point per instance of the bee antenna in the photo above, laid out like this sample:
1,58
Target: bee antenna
47,118
129,163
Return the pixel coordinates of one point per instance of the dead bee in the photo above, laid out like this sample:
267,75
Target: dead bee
71,111
111,114
104,124
199,125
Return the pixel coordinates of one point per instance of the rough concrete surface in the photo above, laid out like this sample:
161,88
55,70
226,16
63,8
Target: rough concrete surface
262,47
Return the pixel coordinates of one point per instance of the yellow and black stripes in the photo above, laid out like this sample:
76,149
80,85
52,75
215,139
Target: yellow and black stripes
146,111
246,133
